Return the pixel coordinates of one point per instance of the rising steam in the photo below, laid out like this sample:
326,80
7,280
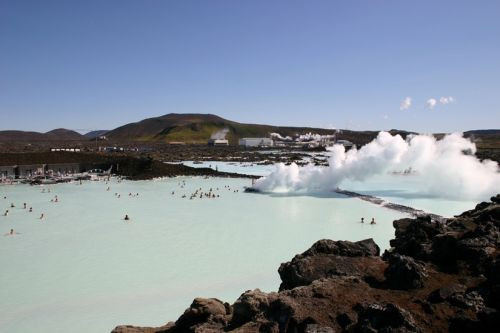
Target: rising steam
220,134
446,167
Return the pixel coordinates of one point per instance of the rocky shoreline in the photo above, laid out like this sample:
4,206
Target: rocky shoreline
130,167
439,276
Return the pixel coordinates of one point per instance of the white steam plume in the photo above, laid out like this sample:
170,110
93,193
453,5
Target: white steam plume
445,167
279,137
405,104
220,134
431,103
313,137
446,100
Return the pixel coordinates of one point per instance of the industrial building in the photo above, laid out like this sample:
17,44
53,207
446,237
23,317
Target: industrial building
218,142
72,150
256,142
31,170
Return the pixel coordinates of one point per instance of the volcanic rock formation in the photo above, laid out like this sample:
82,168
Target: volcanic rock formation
439,276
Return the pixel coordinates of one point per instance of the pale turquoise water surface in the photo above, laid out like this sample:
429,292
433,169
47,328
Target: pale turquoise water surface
84,269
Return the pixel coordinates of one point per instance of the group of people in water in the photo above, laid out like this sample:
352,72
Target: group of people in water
25,207
199,193
372,221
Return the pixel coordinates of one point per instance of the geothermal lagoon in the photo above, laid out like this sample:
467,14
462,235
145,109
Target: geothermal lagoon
84,269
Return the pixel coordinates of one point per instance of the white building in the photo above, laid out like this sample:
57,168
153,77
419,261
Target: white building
73,150
218,142
256,142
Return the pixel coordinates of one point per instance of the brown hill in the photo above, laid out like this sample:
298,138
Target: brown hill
59,134
197,128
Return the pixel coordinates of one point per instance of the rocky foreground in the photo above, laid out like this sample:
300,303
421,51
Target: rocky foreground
439,276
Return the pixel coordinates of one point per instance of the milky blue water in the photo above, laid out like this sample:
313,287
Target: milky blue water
84,269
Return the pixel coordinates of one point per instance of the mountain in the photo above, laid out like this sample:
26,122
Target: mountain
198,128
64,134
95,134
59,134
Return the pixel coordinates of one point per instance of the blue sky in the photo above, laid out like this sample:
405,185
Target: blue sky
344,64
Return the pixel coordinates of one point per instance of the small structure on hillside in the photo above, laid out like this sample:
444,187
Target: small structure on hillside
218,142
256,142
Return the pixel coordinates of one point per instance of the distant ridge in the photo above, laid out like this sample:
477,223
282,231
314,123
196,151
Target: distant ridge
198,128
95,134
483,132
59,134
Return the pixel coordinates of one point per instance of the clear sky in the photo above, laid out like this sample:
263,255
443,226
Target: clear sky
98,64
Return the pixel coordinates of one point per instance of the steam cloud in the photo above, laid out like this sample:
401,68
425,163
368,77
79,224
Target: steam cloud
313,137
220,134
431,103
445,167
405,104
280,137
446,100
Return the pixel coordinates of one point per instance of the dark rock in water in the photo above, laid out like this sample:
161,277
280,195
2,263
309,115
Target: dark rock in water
413,236
203,310
138,329
404,272
249,305
438,277
361,248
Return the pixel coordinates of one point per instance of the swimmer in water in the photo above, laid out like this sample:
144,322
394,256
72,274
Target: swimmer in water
42,216
31,209
373,221
6,213
362,220
24,205
126,218
11,233
12,205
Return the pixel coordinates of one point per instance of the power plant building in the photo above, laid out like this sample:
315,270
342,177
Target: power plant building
256,142
218,142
